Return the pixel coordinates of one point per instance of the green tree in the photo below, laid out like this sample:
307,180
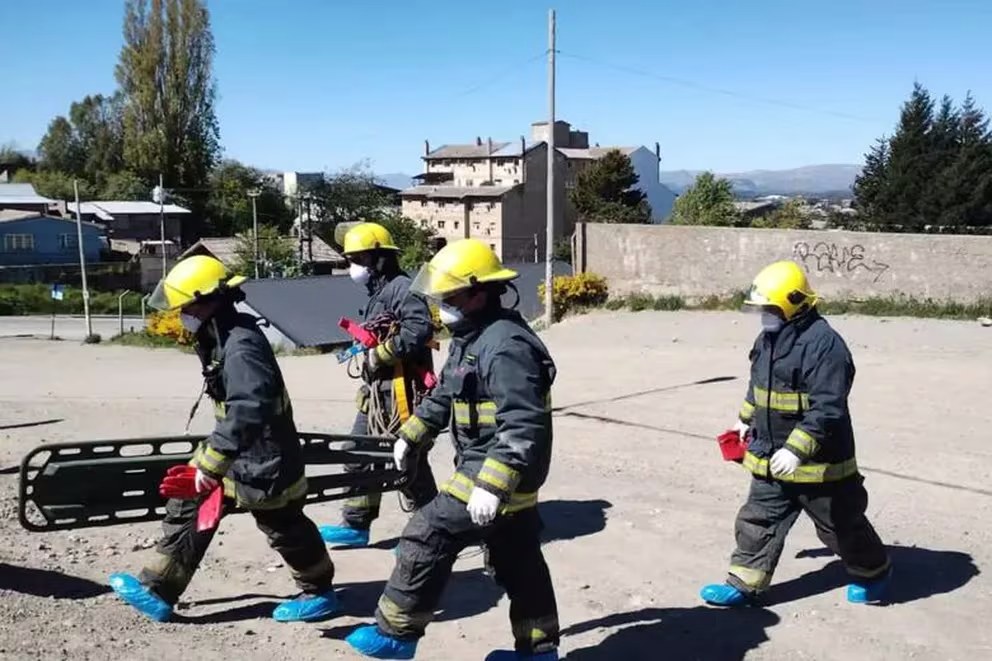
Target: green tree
12,159
125,185
229,206
88,144
966,181
276,253
413,240
709,201
605,192
789,216
165,73
871,184
349,195
56,185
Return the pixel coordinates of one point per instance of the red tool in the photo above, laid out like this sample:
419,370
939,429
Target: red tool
366,338
732,446
180,482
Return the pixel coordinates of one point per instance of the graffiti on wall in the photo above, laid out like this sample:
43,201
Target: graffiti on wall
823,256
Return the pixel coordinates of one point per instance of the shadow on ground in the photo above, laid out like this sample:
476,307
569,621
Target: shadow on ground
469,593
570,519
686,634
918,573
48,583
563,520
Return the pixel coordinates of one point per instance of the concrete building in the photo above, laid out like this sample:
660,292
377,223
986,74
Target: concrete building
496,191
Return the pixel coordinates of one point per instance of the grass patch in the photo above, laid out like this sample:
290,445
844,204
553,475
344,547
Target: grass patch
898,306
16,300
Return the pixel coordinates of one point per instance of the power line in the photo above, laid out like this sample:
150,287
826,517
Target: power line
499,76
717,90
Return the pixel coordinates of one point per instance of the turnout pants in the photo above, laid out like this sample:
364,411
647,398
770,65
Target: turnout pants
428,547
838,512
360,511
289,531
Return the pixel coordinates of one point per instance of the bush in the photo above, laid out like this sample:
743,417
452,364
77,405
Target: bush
168,325
573,292
37,299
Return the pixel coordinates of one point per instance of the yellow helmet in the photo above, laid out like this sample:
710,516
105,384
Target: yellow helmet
458,266
191,279
361,237
782,285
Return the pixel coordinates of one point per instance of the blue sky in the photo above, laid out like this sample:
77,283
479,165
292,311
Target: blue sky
323,84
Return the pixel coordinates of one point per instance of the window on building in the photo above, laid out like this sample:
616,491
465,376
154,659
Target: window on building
516,181
499,182
492,246
18,242
423,203
469,182
68,241
476,226
457,224
440,224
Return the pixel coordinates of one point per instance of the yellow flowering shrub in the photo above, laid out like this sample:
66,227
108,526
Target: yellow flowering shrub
571,292
168,325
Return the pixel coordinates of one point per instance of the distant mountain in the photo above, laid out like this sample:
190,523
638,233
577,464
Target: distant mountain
395,180
811,179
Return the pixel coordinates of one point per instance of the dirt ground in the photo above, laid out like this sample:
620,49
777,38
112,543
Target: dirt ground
639,507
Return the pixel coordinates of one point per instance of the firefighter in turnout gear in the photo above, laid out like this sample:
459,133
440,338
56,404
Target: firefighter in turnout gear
801,446
253,454
494,392
385,399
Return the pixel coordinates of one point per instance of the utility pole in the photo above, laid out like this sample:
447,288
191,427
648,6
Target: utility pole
549,240
82,262
160,193
253,194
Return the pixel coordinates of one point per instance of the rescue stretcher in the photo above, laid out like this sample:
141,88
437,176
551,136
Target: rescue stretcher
65,486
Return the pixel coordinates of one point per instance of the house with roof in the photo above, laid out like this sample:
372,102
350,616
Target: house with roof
496,191
325,258
29,238
23,197
134,220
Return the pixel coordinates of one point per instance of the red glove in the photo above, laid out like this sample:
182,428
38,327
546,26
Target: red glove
185,482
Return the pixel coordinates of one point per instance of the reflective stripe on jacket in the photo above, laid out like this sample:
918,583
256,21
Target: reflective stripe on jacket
495,395
797,398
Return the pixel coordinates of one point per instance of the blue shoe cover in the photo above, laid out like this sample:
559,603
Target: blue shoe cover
307,608
869,592
344,536
140,596
369,641
510,655
721,594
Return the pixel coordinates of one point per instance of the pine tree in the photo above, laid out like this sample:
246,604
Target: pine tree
968,178
871,184
605,192
945,144
901,200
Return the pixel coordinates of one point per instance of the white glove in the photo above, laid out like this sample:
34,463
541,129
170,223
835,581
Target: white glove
400,450
482,506
784,462
741,428
203,482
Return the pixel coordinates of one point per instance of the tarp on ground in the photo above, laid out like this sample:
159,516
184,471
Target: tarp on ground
307,310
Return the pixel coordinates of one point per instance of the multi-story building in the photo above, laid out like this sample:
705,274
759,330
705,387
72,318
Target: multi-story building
496,191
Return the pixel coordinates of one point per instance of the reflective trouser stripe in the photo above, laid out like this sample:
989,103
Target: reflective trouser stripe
460,486
789,402
756,579
400,620
806,473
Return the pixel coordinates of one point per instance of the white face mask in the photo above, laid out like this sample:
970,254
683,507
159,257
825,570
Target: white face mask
360,275
190,323
449,315
771,322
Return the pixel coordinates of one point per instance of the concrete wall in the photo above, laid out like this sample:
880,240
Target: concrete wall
702,261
